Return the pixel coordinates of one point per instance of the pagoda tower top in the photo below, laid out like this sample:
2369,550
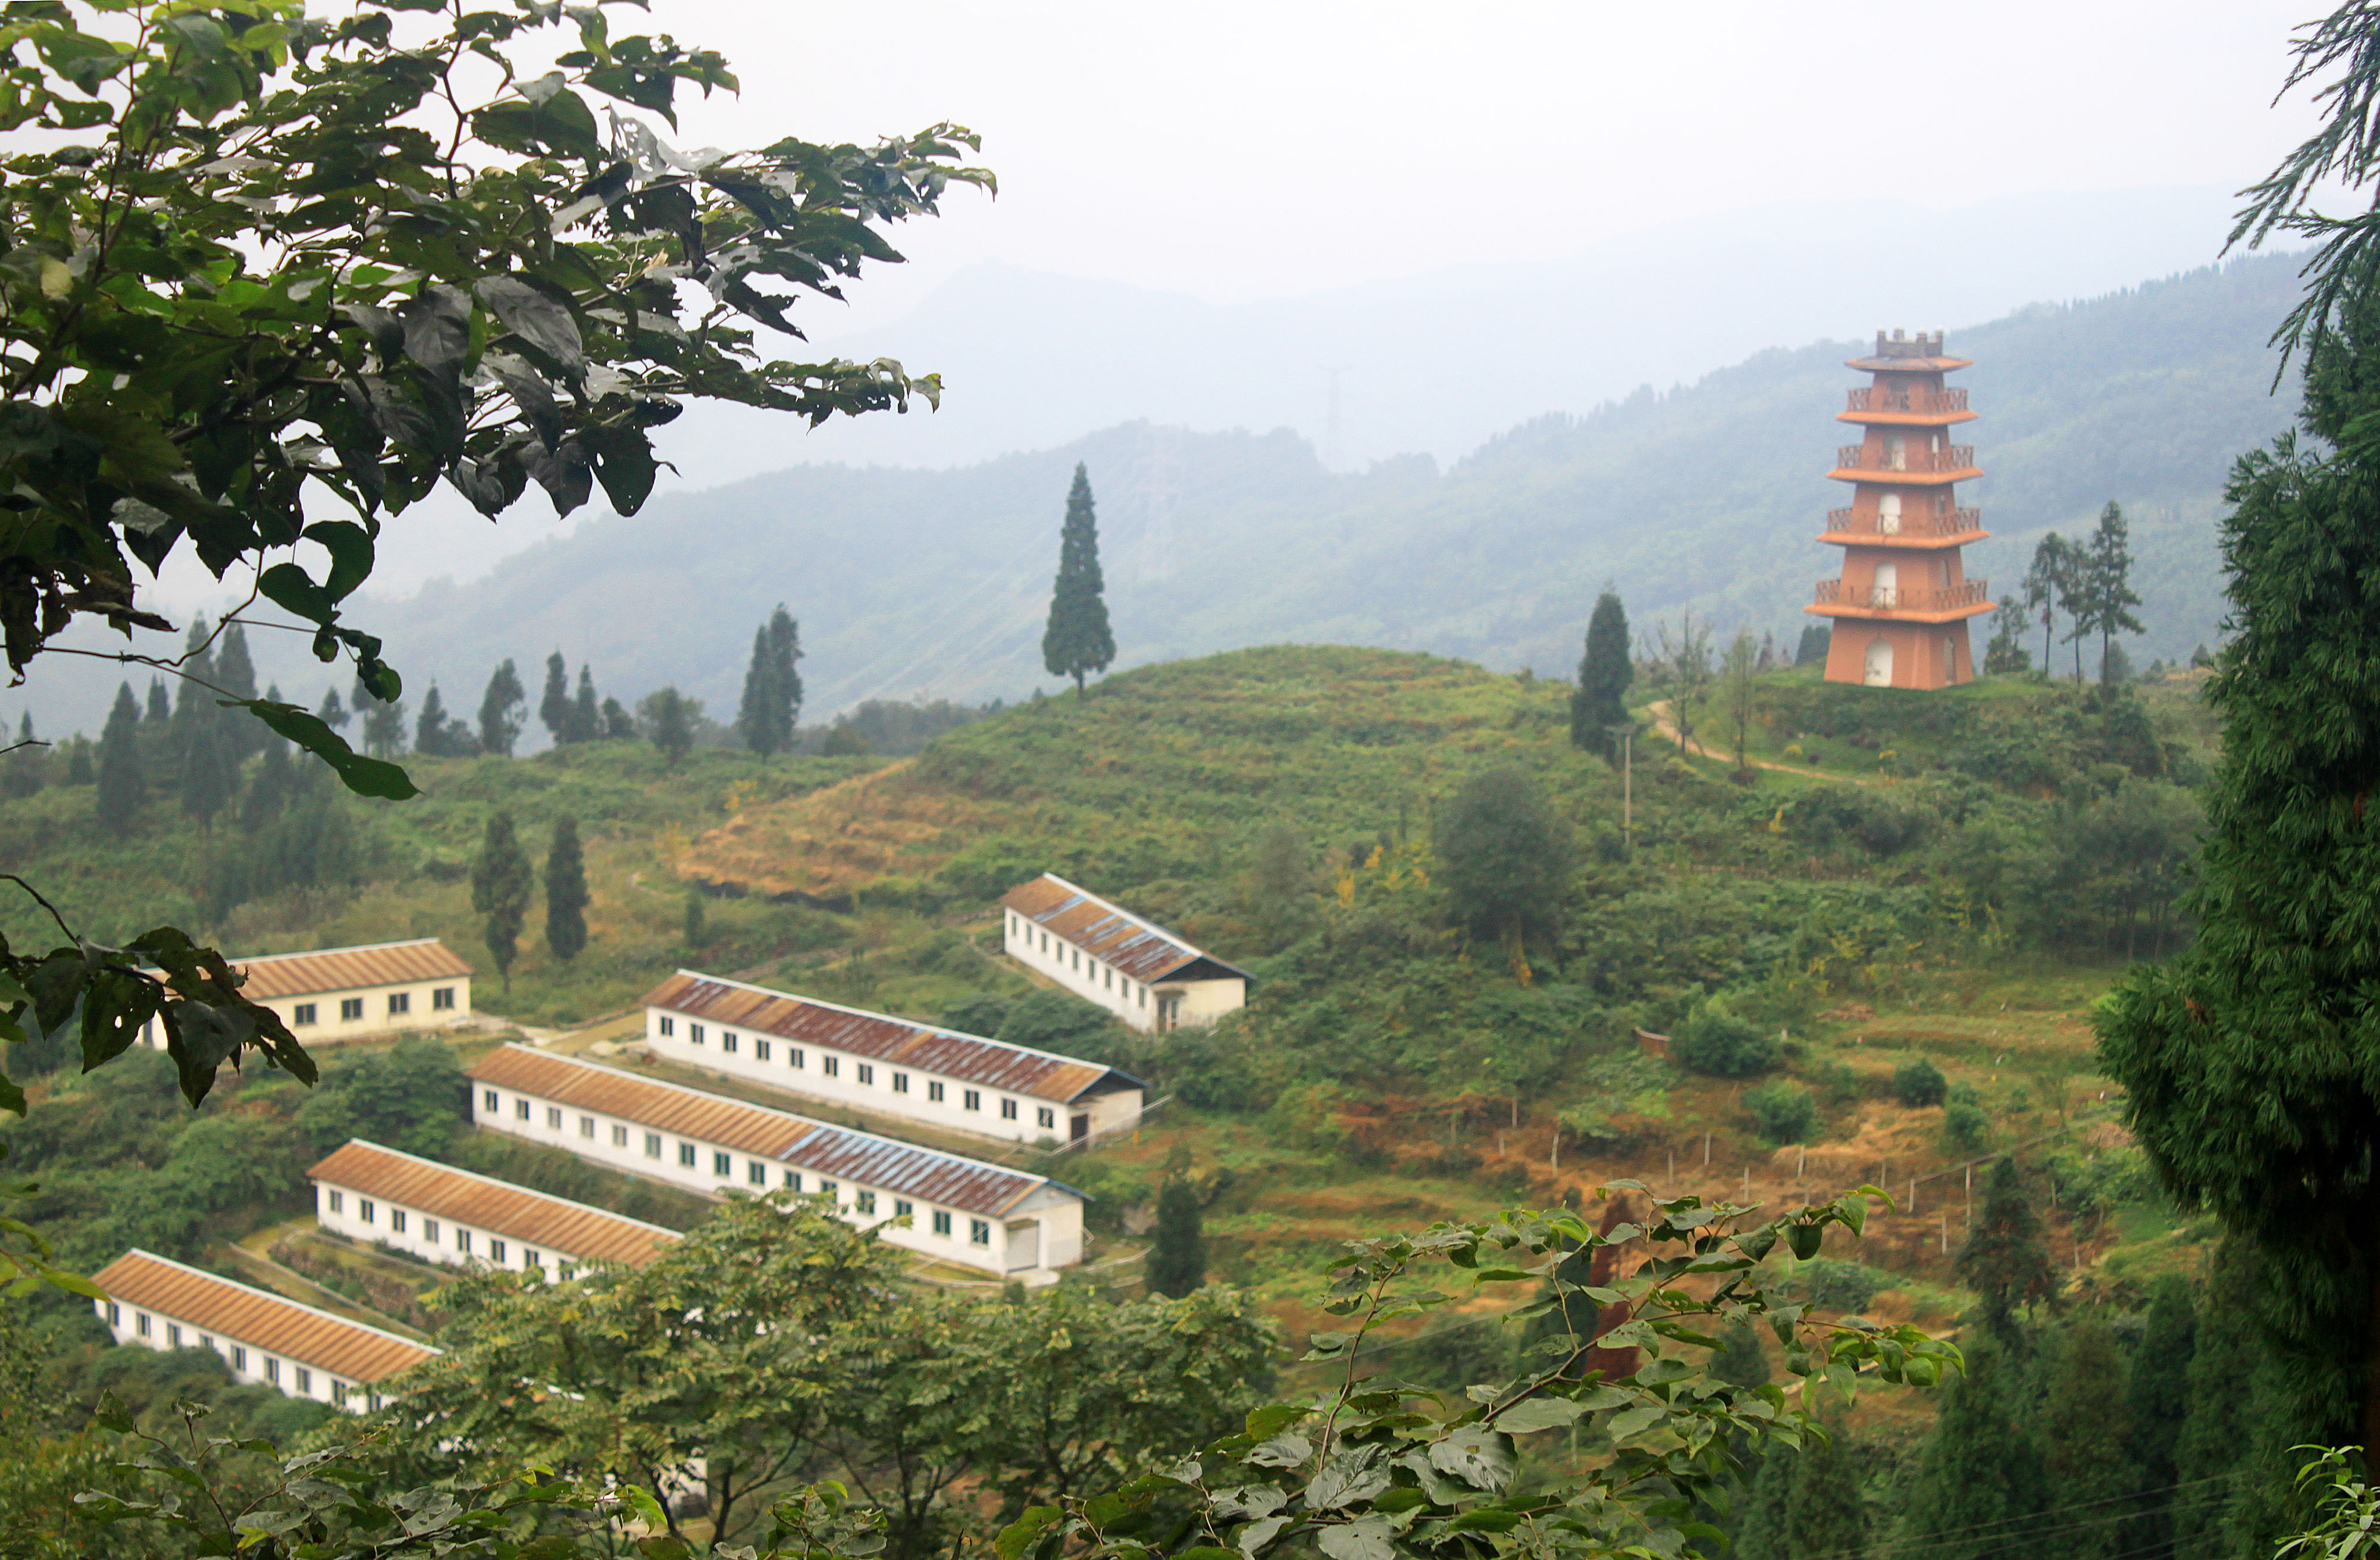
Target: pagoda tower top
1899,353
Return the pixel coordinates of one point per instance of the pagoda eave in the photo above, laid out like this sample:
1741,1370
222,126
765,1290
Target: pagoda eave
1907,419
1897,614
1906,478
1908,365
1875,538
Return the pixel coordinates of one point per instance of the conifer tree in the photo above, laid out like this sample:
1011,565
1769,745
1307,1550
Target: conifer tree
585,715
2160,1404
2234,1429
1078,640
2086,1429
2048,583
500,710
2006,655
334,712
1807,1500
268,789
120,781
1979,1472
618,724
2104,599
204,750
383,724
755,713
554,707
501,881
565,892
2004,1261
1176,1263
430,729
78,770
672,722
161,708
696,934
785,655
236,675
1600,701
27,763
1815,640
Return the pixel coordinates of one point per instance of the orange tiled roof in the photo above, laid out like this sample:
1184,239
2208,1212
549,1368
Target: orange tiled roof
262,1321
1108,931
348,969
534,1218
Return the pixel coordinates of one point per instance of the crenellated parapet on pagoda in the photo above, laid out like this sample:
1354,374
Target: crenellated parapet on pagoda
1900,608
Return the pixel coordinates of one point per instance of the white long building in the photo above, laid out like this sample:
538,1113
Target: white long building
887,1066
156,1302
436,1213
963,1211
1098,950
355,993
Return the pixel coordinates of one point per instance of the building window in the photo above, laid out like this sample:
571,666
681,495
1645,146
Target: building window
531,1258
978,1232
302,1013
1107,978
792,1181
972,1099
1044,1116
1141,994
173,1335
652,1145
338,1393
867,1073
568,1270
864,1200
756,1172
1008,1110
942,1221
496,1250
206,1340
520,1108
238,1357
686,1154
826,1189
668,1024
727,1041
441,999
903,1208
760,1051
553,1117
619,1136
115,1314
364,1209
430,1231
140,1323
933,1091
792,1056
397,1220
830,1066
337,1199
305,1381
489,1103
721,1164
900,1082
351,1007
463,1242
694,1032
400,1003
272,1370
587,1126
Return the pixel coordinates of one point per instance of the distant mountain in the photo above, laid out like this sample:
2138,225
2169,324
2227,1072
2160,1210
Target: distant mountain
934,583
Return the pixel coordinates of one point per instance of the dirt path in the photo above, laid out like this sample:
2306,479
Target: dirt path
1664,724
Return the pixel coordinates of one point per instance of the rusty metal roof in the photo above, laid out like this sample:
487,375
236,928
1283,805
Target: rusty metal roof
971,1059
840,1153
1109,932
348,969
332,1344
534,1218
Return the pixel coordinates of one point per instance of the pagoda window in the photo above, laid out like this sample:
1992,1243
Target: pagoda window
1887,515
1896,452
1884,590
1879,662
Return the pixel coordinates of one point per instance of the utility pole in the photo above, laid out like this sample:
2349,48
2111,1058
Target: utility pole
1626,734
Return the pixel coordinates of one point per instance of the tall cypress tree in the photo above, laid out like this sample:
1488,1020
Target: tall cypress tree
755,713
784,659
2160,1404
1979,1472
2104,570
2004,1261
1604,673
1078,640
501,881
161,708
1805,1500
1176,1263
27,764
500,710
333,712
438,735
565,892
554,707
585,715
2086,1428
120,781
236,674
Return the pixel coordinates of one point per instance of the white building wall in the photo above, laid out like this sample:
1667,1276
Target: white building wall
934,1099
373,1221
970,1240
1094,980
250,1366
373,1014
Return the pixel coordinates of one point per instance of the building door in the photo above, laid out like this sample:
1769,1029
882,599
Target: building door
1168,1010
1079,1129
1887,515
1024,1245
1949,659
1896,452
1879,662
1884,591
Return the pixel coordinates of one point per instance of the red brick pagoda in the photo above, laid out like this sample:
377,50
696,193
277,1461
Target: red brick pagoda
1902,604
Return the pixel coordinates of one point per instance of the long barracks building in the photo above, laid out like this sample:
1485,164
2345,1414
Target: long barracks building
1098,950
436,1213
892,1067
963,1211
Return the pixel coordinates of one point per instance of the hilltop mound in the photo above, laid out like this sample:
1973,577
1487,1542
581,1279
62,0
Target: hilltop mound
1148,775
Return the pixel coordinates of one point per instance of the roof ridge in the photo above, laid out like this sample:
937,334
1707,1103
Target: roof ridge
491,1181
895,1018
1144,923
280,1300
324,952
772,1110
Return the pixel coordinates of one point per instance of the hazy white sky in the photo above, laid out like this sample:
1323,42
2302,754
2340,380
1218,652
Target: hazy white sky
1239,151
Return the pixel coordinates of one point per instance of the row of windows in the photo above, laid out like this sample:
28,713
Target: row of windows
433,1233
1070,957
441,999
830,1066
301,1378
723,1166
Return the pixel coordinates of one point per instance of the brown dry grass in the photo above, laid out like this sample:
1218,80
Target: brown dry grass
828,844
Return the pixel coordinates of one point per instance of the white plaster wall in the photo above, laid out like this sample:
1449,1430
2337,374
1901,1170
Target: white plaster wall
591,1138
453,1244
125,1329
376,1019
1204,1002
1089,978
880,1097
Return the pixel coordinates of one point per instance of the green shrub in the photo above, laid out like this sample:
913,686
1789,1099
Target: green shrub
1919,1084
1718,1042
1839,1286
1837,1084
1784,1112
1967,1125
